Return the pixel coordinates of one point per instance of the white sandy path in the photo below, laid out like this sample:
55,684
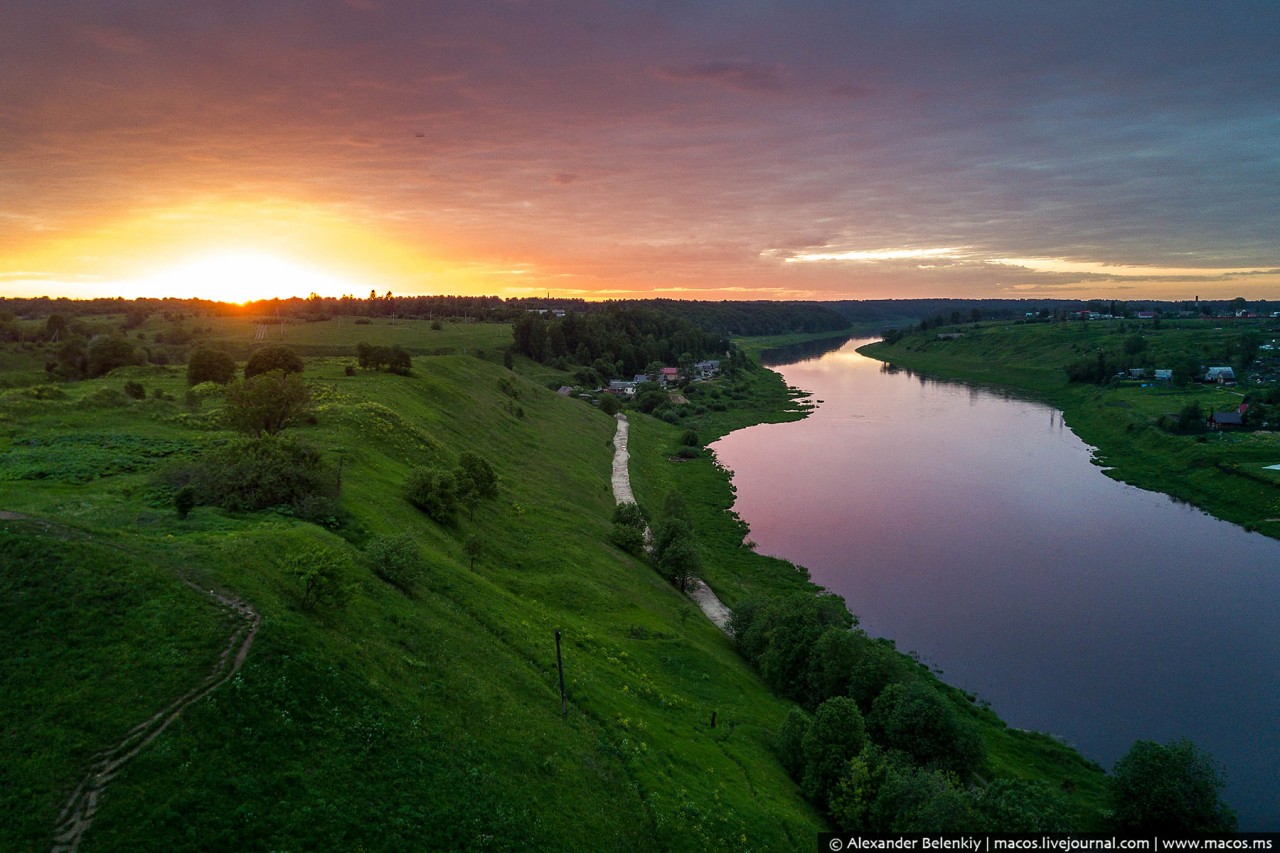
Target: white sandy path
698,591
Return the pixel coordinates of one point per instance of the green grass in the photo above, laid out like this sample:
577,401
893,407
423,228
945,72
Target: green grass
430,721
1222,473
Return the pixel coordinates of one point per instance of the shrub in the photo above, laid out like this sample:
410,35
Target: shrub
107,352
628,528
322,575
207,364
267,359
433,491
253,474
474,480
789,742
396,559
1172,787
184,500
135,390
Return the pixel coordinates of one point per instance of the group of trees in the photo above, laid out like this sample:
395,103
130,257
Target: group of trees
876,743
439,492
880,746
672,548
620,340
394,358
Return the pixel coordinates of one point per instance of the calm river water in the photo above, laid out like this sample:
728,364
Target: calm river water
973,529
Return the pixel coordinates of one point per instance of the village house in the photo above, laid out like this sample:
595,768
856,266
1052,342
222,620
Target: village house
621,386
669,374
706,369
1221,375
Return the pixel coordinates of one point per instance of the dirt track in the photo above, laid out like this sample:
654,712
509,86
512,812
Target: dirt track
698,591
77,814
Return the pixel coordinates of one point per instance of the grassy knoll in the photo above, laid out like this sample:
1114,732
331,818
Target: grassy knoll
421,721
1220,472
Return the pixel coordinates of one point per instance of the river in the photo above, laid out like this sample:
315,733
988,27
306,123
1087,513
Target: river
973,529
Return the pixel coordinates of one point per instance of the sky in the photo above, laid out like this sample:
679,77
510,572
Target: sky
707,149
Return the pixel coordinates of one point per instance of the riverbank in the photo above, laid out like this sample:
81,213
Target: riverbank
1223,473
734,569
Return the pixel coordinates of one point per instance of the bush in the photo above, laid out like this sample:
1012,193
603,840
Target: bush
915,719
628,528
396,559
210,365
107,352
789,742
433,491
474,480
254,474
322,574
267,359
1172,787
135,390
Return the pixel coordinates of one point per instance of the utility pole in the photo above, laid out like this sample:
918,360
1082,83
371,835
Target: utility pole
564,703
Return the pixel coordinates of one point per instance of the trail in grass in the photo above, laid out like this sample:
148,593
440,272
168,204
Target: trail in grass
77,815
698,591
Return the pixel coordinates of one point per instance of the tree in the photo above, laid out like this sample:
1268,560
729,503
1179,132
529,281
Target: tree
1173,787
432,490
266,403
107,352
679,562
789,742
266,359
474,480
1021,805
473,548
917,720
609,404
207,364
322,575
836,735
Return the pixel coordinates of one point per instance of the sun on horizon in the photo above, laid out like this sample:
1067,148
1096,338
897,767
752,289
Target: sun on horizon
240,276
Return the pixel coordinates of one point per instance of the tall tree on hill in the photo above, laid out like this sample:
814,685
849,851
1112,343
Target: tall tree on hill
270,358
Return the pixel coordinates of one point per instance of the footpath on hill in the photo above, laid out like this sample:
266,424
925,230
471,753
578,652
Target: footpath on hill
698,591
77,815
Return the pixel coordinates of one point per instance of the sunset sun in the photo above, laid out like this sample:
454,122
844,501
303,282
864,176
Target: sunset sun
242,276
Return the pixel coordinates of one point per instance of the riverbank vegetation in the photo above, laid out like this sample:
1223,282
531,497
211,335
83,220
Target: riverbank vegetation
1154,433
402,691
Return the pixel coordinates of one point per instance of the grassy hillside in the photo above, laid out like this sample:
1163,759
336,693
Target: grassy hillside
1223,473
424,721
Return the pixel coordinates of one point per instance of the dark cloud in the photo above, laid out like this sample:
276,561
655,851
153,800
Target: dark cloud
737,75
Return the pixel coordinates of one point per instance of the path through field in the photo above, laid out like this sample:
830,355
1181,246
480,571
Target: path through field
77,814
698,591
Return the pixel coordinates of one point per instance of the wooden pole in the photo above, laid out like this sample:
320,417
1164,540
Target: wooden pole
564,703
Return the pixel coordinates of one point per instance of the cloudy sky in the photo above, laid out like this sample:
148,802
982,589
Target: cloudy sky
713,149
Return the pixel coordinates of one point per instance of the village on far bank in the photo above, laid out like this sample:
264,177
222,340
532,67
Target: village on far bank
1246,364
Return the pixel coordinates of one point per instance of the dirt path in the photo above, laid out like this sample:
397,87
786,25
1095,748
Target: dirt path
698,591
77,815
